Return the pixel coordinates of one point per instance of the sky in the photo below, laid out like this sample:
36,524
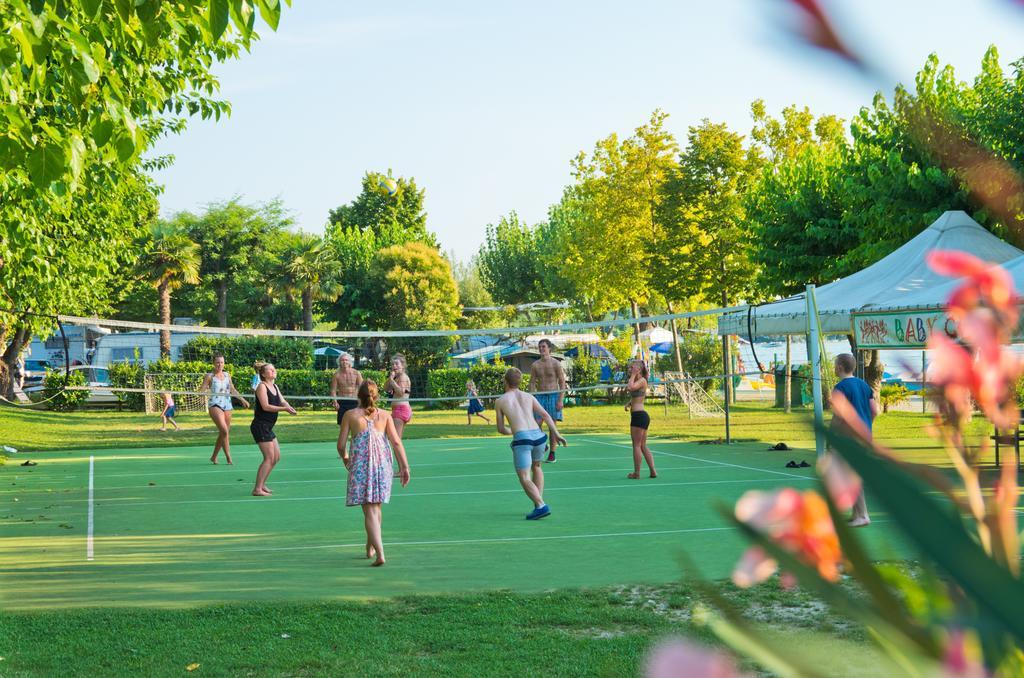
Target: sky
486,103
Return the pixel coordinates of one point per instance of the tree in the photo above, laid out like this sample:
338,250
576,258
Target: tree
230,236
314,272
417,292
509,262
375,220
169,260
606,224
794,205
473,294
706,239
87,86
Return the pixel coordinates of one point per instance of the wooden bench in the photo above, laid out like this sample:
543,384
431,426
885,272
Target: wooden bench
1009,437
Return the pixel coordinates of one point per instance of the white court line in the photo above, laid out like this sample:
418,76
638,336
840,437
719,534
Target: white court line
547,472
707,461
114,502
88,538
285,469
485,540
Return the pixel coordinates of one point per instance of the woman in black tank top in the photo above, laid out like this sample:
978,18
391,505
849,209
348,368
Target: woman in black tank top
269,402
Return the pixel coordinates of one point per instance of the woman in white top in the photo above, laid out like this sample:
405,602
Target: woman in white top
221,389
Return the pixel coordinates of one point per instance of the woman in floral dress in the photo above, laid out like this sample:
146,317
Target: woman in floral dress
368,431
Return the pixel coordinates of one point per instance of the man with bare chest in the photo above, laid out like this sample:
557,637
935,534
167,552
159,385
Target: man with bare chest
547,382
344,386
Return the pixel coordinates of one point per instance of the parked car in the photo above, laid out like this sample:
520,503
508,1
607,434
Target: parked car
96,378
35,370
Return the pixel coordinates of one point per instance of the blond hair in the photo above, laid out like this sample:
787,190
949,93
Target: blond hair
368,394
513,377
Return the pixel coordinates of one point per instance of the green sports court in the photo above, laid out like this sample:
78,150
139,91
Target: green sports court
170,529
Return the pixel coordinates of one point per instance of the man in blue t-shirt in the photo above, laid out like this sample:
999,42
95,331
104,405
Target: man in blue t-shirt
862,399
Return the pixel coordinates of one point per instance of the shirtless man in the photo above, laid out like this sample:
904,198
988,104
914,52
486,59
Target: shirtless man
547,374
527,439
344,387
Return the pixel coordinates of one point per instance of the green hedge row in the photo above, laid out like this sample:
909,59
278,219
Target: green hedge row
284,353
450,382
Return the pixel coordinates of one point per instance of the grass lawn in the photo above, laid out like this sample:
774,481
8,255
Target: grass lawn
188,569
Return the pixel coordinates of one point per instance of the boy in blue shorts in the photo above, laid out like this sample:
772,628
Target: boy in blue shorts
528,441
860,396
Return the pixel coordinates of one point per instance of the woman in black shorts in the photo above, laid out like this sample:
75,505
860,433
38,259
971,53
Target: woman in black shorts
639,420
269,402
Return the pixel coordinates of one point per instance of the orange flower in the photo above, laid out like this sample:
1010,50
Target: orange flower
798,522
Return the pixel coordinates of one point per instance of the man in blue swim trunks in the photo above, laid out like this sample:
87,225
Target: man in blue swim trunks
528,441
547,380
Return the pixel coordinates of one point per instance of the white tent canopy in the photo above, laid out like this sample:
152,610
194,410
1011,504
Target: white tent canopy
934,298
897,281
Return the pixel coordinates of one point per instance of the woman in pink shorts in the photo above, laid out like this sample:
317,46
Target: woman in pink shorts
397,387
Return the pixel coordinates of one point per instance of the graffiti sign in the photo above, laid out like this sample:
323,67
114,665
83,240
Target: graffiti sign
900,329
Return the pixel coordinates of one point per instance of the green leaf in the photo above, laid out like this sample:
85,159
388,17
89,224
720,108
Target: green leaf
101,131
939,534
46,164
77,154
92,8
147,10
270,10
218,18
125,148
20,35
124,9
11,153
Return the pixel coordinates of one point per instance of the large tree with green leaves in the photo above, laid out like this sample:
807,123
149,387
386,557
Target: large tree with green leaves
230,236
85,89
706,238
315,272
168,260
377,219
509,262
415,290
794,206
607,223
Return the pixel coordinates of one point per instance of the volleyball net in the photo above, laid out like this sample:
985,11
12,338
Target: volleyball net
685,359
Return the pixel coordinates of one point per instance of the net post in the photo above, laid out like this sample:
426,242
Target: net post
815,358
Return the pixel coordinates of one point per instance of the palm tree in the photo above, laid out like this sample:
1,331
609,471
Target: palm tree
314,270
169,260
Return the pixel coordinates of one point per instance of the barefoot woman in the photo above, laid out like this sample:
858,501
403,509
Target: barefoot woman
398,387
269,402
221,389
370,467
639,420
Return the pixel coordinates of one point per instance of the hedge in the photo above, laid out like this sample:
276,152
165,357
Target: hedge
57,398
128,375
450,382
284,353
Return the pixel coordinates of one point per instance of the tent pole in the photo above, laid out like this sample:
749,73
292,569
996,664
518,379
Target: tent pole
789,369
815,357
726,383
924,400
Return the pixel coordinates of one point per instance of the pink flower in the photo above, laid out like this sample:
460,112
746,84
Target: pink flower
798,522
958,661
986,282
843,485
684,659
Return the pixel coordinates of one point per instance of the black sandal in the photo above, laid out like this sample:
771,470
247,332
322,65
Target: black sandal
791,464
